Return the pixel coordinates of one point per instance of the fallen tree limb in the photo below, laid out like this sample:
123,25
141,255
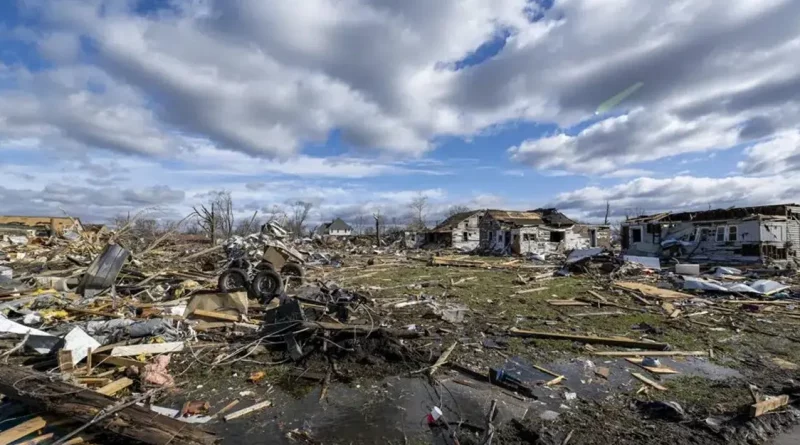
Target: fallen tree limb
83,405
360,329
612,341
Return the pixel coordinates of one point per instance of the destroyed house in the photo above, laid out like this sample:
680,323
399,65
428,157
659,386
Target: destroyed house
337,227
460,231
738,234
40,224
539,231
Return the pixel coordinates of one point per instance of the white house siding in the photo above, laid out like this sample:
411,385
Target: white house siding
470,228
752,235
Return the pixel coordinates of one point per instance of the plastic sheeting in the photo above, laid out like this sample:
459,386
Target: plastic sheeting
581,254
646,261
760,287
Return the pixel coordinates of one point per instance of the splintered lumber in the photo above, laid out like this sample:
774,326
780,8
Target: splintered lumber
568,303
248,410
443,358
226,408
527,291
116,361
39,392
153,348
778,302
25,428
652,291
651,353
362,329
649,382
766,406
115,386
215,315
611,341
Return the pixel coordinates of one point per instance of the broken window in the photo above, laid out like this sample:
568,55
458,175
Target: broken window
529,237
733,233
556,237
636,235
702,234
491,236
720,234
465,236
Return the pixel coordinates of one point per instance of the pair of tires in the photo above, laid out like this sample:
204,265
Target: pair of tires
266,284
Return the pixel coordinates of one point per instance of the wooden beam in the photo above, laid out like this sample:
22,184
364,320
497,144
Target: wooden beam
116,361
766,406
115,386
651,353
248,410
215,315
39,392
649,382
152,348
612,341
26,428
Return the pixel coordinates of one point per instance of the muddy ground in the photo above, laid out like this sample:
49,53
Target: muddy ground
377,393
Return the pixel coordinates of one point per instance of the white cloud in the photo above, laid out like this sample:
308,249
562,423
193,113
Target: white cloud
776,155
679,193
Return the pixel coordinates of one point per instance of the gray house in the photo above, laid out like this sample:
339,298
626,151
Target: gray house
737,234
460,231
337,227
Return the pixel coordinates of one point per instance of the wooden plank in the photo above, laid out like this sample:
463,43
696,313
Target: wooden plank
152,348
215,315
596,295
649,382
651,353
652,291
115,386
116,361
653,369
17,432
547,371
62,400
247,410
775,302
615,341
760,408
527,291
568,303
226,408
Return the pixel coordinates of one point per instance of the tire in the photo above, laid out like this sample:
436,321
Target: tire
266,285
232,280
293,271
266,265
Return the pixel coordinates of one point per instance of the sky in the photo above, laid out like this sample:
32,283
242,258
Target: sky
114,106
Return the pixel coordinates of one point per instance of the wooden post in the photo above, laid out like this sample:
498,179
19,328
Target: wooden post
82,405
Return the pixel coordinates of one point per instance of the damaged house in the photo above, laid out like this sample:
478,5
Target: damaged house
460,231
739,234
540,231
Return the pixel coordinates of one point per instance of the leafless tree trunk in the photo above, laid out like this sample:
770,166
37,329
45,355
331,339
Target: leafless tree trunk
418,206
207,220
300,210
456,209
608,210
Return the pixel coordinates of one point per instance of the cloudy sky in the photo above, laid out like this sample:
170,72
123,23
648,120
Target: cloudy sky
109,106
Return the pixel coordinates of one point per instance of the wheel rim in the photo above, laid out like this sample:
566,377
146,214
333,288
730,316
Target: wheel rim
265,285
233,281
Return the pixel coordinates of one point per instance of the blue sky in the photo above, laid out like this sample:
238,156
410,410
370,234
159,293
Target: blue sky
111,106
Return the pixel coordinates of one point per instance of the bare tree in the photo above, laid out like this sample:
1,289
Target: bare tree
299,214
359,222
608,210
276,214
247,226
418,207
218,220
456,209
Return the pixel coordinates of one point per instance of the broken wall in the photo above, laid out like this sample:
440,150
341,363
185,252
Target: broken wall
735,240
467,234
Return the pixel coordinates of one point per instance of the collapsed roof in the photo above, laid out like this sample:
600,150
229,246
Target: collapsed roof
717,214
